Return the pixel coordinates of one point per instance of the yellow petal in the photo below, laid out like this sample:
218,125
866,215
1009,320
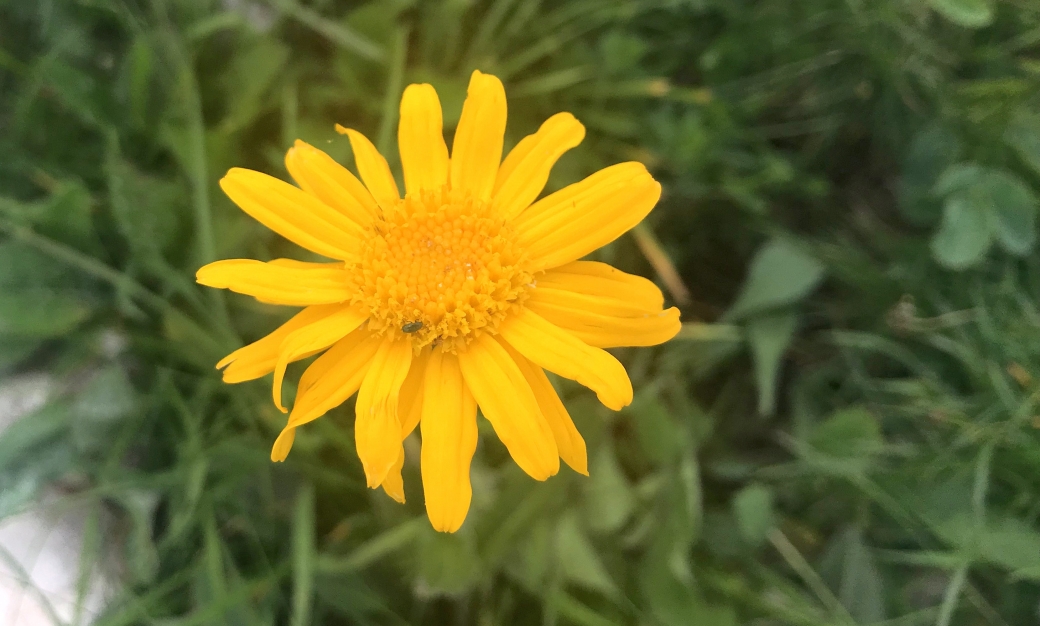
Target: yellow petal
411,402
506,400
377,429
449,439
587,215
333,377
259,358
312,339
410,411
477,149
526,168
420,140
293,213
321,176
373,168
393,484
568,440
283,444
610,331
315,283
562,353
602,287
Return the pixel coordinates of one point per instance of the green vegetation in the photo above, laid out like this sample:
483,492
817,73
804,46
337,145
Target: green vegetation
846,431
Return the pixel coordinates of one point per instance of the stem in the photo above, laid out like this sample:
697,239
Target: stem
662,264
953,593
809,576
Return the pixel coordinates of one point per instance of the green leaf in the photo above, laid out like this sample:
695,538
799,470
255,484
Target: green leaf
753,508
27,433
65,215
780,274
250,78
303,556
143,555
1012,211
851,432
1023,134
670,594
967,13
41,313
983,203
769,336
846,443
933,150
1012,544
658,433
608,500
579,560
15,350
146,207
448,562
849,566
964,235
959,177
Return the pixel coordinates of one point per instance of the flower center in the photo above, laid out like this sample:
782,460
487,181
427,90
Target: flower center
438,268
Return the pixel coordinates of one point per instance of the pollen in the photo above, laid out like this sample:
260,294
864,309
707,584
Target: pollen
441,264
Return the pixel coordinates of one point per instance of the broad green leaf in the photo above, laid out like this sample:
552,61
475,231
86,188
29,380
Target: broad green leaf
608,498
41,313
768,337
578,560
932,151
670,593
959,177
964,235
976,193
146,207
1013,208
1023,134
780,274
967,13
851,432
656,428
846,443
1012,544
849,566
753,508
448,562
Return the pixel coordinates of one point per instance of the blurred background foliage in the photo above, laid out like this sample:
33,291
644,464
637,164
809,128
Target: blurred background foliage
845,432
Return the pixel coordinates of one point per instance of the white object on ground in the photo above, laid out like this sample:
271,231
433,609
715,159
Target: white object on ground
45,542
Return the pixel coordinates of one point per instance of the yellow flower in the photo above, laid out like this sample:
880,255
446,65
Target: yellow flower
455,296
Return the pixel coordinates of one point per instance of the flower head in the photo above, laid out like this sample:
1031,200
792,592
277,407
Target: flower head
454,296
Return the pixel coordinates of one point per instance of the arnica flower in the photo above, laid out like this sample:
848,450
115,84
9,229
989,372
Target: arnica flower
457,295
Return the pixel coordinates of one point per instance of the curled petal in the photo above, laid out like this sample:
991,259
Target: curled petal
506,400
558,351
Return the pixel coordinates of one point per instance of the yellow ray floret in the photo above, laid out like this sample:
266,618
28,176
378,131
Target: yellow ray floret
458,295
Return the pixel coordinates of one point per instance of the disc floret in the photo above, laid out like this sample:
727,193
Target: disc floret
439,267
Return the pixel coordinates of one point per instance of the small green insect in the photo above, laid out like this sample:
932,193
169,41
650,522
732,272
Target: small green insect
411,327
